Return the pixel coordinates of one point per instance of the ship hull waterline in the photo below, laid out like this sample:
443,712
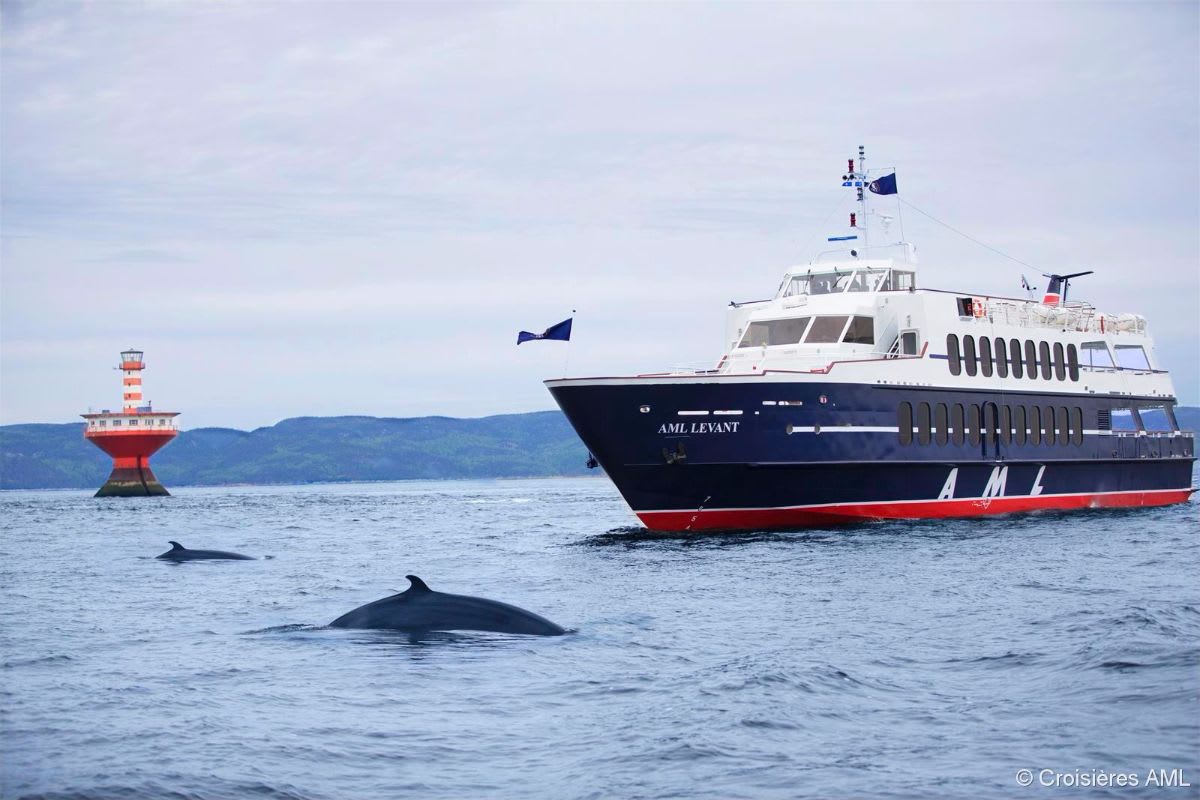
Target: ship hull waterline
832,457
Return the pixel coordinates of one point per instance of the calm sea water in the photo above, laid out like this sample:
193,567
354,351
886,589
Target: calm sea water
886,660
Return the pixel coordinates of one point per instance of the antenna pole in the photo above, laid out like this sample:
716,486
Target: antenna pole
862,199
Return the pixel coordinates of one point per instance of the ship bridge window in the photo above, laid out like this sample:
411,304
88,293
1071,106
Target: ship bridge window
1094,355
1132,356
861,331
826,283
825,330
774,331
1155,418
900,280
1123,419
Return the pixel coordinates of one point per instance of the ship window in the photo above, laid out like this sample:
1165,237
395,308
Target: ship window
1073,362
861,331
964,306
1094,355
922,423
1060,371
957,422
116,423
953,355
1131,356
904,420
829,283
1044,359
1015,347
774,331
1001,358
1064,432
1124,420
989,424
1035,425
1031,359
1048,425
985,356
969,355
1077,425
973,424
1019,423
825,330
103,423
903,280
940,421
1005,424
1154,418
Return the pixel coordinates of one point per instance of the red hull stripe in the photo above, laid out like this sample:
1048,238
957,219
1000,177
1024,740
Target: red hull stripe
842,513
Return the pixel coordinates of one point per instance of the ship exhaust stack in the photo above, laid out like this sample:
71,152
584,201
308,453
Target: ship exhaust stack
131,435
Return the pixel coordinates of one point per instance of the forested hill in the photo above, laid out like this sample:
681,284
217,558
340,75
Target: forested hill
309,450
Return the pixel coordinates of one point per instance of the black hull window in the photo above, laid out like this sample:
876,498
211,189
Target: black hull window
923,423
904,420
1001,359
1044,360
1077,426
973,424
941,420
957,423
1005,425
985,356
1031,359
989,424
1019,424
1060,368
1015,346
1048,425
1035,425
953,355
1073,362
1064,427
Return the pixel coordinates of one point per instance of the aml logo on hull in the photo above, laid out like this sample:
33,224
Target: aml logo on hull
996,485
699,427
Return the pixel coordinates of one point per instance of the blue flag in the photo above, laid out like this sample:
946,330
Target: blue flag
884,185
560,332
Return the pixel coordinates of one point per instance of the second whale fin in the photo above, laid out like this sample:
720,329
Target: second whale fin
418,586
176,545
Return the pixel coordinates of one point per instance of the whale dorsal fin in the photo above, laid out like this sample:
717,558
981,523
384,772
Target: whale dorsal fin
418,586
176,545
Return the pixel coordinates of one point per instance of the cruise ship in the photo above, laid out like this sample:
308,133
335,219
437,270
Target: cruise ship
856,393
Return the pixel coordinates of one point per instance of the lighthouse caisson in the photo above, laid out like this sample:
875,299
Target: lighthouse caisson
131,435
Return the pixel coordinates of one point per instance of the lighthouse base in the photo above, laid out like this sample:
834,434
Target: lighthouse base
132,482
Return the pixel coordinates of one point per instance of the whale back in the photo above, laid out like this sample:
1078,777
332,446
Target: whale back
419,609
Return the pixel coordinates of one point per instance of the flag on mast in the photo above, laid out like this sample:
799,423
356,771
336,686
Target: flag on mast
884,185
560,332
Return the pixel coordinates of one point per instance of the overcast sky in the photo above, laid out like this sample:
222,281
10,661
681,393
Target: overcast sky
352,208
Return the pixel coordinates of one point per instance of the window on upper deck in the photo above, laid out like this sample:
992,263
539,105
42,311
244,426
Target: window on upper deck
1132,356
826,330
1095,354
774,331
826,283
861,331
1155,418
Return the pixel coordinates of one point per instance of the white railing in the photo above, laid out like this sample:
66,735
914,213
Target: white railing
1071,317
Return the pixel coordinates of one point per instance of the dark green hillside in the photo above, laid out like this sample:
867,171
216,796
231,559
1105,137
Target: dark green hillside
311,449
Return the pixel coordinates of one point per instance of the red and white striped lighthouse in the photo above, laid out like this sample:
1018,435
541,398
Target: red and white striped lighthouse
132,435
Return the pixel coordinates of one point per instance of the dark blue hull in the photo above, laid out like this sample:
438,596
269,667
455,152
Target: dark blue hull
771,454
